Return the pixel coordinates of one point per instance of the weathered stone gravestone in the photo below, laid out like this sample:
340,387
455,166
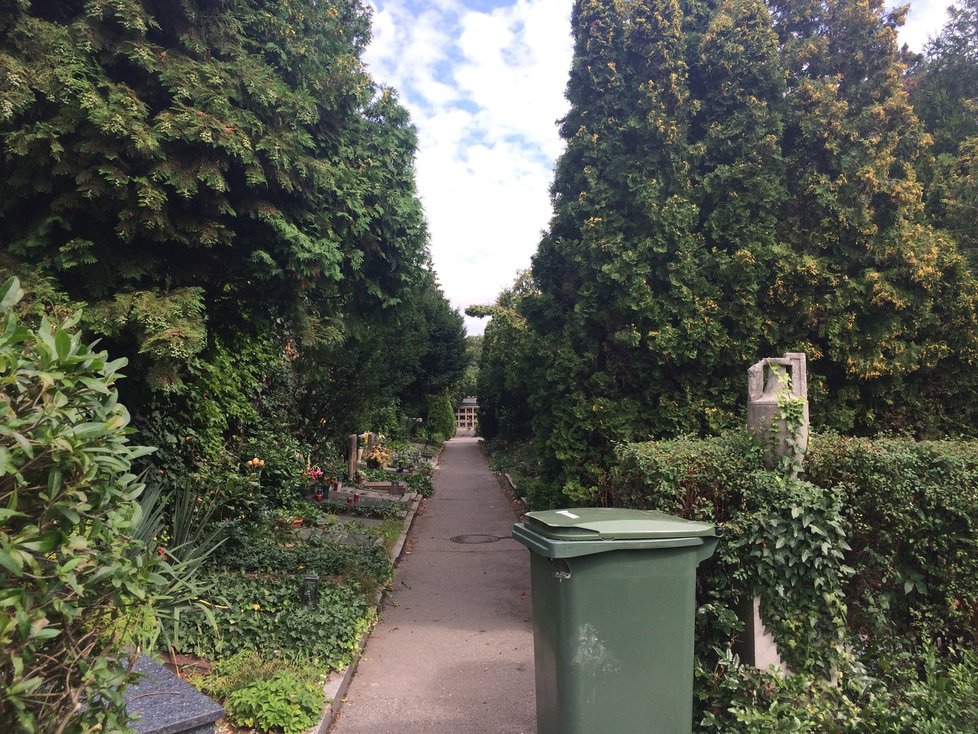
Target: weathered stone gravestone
353,457
166,704
772,383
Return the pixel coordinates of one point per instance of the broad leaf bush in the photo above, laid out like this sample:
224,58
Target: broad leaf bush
71,570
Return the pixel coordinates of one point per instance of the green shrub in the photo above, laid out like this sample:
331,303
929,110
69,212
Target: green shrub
441,417
785,540
237,671
707,479
420,483
912,509
71,569
941,698
283,703
282,481
874,550
909,509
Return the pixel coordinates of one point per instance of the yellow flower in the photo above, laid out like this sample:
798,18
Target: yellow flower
256,607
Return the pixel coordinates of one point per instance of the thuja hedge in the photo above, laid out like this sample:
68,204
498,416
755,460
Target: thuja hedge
877,543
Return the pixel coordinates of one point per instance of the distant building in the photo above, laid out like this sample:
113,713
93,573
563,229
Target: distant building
466,416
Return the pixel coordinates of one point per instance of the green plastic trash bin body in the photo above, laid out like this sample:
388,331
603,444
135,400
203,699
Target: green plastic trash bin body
613,613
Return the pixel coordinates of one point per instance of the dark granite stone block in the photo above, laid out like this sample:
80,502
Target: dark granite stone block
165,704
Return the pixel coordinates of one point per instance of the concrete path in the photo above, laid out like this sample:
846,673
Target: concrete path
453,653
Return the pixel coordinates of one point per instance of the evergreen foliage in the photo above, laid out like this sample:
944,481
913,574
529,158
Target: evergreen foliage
739,180
944,89
441,331
231,147
441,416
232,198
504,409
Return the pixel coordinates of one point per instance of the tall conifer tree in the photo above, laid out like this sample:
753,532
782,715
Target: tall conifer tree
944,89
735,185
881,303
740,182
629,321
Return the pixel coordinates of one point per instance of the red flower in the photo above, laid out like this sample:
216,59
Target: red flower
313,474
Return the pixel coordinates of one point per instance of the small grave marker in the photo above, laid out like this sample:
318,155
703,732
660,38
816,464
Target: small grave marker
166,704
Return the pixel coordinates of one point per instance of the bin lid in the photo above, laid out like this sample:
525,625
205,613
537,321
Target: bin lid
610,523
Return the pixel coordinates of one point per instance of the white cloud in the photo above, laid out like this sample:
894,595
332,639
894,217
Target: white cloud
924,21
485,89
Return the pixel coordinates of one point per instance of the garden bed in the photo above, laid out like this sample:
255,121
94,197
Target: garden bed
291,603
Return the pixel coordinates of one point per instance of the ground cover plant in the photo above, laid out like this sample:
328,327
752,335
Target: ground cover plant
264,613
269,647
269,693
326,551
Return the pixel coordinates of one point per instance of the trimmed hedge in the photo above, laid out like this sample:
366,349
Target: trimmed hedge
907,509
912,510
785,541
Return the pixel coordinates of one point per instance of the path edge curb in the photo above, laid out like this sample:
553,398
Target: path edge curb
338,683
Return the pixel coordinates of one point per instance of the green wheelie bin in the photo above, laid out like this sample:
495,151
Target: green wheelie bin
613,611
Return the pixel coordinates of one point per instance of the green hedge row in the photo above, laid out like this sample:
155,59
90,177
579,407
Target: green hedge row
906,512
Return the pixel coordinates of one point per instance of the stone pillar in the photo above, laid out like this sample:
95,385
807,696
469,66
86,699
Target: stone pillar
757,647
767,381
352,458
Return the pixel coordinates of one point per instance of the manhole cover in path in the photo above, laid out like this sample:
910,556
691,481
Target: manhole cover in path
473,539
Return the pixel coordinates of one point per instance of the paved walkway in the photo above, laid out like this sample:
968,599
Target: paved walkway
453,653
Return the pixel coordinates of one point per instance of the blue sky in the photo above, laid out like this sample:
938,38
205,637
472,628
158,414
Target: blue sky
484,82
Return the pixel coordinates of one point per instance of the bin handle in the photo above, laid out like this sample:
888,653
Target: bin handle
706,550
